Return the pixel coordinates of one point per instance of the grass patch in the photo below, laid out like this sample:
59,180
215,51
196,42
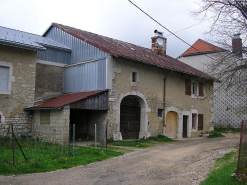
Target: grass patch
214,134
47,157
141,143
222,171
226,130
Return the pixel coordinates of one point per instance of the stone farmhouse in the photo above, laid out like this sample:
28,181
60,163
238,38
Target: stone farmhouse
85,79
227,101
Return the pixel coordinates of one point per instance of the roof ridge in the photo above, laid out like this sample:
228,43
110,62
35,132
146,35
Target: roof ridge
53,24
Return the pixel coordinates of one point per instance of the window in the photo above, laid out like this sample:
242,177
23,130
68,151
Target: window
45,117
4,78
194,88
160,113
134,76
200,121
194,121
201,85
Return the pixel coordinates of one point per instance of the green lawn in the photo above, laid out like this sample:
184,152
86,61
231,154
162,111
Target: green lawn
222,171
47,157
142,143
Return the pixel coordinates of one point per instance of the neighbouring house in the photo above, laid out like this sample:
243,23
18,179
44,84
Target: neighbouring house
210,59
140,92
18,62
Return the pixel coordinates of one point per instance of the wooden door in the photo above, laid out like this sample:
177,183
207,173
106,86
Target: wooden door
171,124
130,118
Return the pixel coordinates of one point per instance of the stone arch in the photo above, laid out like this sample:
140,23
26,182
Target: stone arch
143,115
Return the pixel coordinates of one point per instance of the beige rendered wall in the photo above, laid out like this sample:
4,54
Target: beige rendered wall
150,90
22,65
177,101
58,129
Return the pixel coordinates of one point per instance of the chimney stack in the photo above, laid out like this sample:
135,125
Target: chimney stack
159,43
237,45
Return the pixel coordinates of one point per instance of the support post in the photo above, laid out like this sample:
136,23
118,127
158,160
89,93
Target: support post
36,138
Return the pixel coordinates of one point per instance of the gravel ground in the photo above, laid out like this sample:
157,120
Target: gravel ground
185,162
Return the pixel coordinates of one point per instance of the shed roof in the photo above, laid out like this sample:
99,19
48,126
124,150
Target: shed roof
119,48
202,46
64,99
26,40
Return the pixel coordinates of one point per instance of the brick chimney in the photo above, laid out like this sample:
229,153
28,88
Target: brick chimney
237,45
159,43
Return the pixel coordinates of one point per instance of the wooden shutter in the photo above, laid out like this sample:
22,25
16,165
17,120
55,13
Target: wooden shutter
187,87
200,121
4,78
201,89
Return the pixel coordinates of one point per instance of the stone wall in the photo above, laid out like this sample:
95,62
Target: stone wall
149,88
22,64
58,129
49,81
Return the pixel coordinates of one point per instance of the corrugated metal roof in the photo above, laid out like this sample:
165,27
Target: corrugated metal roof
64,99
202,46
27,40
119,48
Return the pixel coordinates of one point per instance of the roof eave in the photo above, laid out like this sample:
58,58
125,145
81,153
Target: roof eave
23,46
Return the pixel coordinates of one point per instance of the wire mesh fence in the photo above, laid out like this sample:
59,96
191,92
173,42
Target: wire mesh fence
47,141
242,157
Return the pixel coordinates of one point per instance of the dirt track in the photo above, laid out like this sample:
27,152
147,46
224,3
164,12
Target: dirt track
184,162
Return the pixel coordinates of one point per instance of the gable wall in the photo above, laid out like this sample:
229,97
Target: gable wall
81,51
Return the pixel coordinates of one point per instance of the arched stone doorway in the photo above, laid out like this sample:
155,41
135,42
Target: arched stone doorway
130,117
171,124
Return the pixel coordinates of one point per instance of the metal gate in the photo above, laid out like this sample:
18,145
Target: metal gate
130,118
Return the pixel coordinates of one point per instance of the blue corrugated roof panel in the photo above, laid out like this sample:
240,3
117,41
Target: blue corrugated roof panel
27,40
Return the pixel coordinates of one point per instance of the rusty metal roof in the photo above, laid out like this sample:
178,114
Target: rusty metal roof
119,48
64,99
202,46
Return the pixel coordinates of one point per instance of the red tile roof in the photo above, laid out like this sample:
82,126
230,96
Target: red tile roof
119,48
65,99
201,46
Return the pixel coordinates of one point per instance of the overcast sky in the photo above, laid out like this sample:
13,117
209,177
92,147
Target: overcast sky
117,19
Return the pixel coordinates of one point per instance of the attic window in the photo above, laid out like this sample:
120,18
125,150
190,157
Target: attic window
134,76
132,48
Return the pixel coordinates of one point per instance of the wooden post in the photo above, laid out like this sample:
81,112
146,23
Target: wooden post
240,145
73,140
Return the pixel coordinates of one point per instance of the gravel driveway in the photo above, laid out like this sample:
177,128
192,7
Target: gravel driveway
184,162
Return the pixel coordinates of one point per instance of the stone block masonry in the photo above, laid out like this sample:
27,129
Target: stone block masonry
21,65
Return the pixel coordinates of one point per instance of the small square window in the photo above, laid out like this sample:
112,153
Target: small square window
134,76
160,113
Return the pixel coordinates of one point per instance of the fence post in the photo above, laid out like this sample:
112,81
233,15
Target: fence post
69,138
240,145
73,140
36,137
106,128
95,136
13,146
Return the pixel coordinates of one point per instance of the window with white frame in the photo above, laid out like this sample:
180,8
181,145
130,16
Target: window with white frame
194,88
194,120
4,78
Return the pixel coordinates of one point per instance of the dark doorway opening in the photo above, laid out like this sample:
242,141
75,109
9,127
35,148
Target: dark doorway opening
81,120
185,126
130,118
